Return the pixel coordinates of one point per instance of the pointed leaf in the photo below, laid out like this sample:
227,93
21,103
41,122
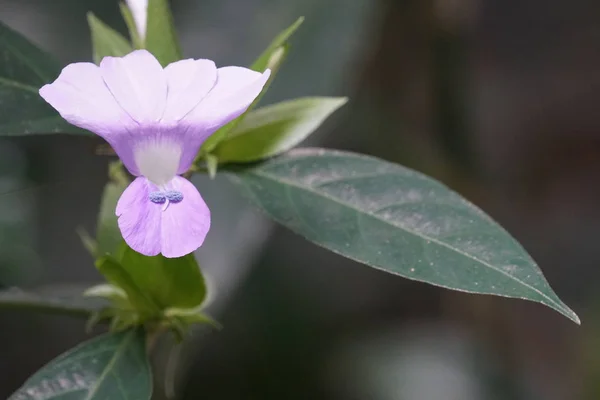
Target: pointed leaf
161,37
275,129
56,299
108,236
23,70
105,40
262,61
111,366
275,62
117,275
397,220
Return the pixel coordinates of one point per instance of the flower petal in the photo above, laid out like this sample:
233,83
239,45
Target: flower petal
138,83
235,90
139,219
184,224
189,81
81,97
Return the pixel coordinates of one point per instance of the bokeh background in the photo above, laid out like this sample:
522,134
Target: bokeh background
498,99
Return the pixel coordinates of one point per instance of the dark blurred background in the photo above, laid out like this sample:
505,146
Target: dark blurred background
495,98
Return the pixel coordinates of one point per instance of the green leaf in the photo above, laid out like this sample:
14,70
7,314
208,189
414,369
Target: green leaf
130,22
117,275
262,61
192,316
211,143
272,58
169,282
108,235
111,366
110,292
275,129
397,220
106,41
23,70
161,38
56,299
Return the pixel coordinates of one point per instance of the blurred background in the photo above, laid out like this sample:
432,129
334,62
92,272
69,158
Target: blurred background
498,99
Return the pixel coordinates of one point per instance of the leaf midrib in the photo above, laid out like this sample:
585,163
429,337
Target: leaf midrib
278,179
108,369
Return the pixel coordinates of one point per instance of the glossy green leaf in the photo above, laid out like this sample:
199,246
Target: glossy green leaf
117,275
397,220
112,366
262,61
169,282
105,40
275,129
23,70
56,299
130,22
161,38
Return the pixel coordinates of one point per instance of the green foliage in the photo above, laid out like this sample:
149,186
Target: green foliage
106,41
262,62
117,275
272,58
275,129
23,70
108,235
57,299
112,366
161,37
397,220
169,282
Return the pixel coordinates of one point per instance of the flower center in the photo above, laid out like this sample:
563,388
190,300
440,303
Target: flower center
158,161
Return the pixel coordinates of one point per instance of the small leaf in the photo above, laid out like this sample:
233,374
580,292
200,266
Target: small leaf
274,57
397,220
138,43
161,38
23,70
169,282
211,143
275,129
212,164
57,299
263,60
112,366
117,275
106,41
108,235
110,292
88,242
191,317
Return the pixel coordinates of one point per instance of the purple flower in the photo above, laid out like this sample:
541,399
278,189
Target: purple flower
156,120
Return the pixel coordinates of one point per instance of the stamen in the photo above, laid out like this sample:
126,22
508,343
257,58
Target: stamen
174,196
157,197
